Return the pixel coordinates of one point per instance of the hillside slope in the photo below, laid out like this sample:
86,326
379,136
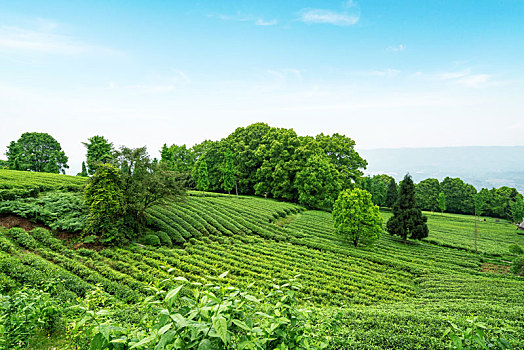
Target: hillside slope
389,296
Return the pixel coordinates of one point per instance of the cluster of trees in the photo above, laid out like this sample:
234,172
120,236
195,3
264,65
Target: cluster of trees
455,196
274,162
35,151
124,184
383,189
357,218
452,195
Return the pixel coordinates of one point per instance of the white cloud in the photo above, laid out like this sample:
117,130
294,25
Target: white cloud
329,17
283,74
463,78
398,48
43,39
242,17
476,80
261,22
348,17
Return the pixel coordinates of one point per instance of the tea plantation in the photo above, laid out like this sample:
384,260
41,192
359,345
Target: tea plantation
389,296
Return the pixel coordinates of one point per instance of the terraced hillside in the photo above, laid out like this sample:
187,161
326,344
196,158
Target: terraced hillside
387,296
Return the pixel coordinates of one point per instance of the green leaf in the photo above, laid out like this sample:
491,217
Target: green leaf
140,343
172,294
242,325
220,326
251,298
165,328
205,344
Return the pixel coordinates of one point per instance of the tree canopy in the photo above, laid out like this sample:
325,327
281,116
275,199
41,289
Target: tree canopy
356,218
273,161
35,151
99,151
407,220
145,183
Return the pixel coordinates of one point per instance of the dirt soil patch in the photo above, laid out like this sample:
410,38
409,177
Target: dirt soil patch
10,221
494,268
70,239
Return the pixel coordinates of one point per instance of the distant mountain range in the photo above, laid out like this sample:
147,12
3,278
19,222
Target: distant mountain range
490,166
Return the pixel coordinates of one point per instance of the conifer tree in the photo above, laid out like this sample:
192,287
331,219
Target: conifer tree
391,194
229,172
84,170
407,220
203,178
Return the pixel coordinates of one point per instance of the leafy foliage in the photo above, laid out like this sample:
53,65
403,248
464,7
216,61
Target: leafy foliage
407,220
203,177
356,218
144,184
427,194
105,199
228,172
392,194
475,336
99,151
25,313
210,316
318,183
58,210
442,202
38,152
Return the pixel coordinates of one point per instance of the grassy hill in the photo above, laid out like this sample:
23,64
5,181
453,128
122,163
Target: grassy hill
388,296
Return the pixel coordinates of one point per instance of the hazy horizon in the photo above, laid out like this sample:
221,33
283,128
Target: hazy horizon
387,74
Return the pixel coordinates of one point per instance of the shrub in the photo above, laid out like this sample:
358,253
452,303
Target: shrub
475,336
151,240
22,238
214,316
518,267
24,314
164,239
515,249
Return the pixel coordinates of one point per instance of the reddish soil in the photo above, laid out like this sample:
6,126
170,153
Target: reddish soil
494,268
10,221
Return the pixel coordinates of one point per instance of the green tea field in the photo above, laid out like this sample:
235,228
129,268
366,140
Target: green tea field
389,296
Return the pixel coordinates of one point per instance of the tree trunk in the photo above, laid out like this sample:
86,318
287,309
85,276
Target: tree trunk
236,187
228,193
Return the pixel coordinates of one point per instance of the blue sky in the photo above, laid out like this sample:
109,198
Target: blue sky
385,73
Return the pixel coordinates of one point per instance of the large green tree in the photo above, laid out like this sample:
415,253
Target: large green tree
341,151
145,183
356,218
407,220
104,197
426,195
35,151
459,196
268,160
99,151
318,183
